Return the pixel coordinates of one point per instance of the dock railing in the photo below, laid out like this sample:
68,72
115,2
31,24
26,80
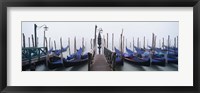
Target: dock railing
30,54
91,55
110,57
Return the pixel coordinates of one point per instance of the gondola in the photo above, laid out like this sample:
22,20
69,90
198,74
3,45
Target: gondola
55,61
132,58
172,55
76,59
119,57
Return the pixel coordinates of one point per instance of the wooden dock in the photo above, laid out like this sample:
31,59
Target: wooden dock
100,64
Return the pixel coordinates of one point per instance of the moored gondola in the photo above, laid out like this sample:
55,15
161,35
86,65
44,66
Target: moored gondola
131,57
119,57
76,59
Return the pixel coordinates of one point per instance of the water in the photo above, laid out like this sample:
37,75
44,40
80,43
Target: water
126,67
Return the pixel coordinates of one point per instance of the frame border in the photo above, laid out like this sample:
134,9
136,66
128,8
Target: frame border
98,3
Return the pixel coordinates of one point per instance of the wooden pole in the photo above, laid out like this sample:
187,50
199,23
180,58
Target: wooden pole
37,41
168,42
155,42
121,41
69,45
138,42
74,44
49,42
29,44
95,37
130,44
33,40
24,44
144,43
82,42
35,32
91,43
44,40
133,44
147,42
61,50
107,40
112,41
159,43
55,44
163,44
123,44
126,42
104,41
47,56
177,41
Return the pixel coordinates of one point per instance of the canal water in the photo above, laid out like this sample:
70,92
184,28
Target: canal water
126,67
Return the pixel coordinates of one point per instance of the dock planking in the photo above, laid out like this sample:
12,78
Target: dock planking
100,64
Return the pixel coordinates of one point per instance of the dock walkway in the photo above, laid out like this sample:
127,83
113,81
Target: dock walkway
100,64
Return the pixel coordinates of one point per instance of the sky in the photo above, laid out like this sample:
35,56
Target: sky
137,29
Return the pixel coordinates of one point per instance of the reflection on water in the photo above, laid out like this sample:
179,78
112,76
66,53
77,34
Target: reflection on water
126,67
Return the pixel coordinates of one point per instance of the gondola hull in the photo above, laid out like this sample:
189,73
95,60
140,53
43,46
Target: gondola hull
144,63
55,62
68,63
172,61
119,61
159,62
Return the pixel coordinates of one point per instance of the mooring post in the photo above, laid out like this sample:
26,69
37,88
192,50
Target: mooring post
123,44
82,42
113,61
133,44
61,50
107,41
152,41
177,41
32,40
49,43
47,56
121,40
29,45
159,44
126,42
91,43
155,42
37,41
144,43
24,44
168,42
44,40
69,45
112,41
55,44
75,45
89,61
138,42
95,39
163,44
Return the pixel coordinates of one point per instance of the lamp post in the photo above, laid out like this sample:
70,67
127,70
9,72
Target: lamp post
99,39
35,32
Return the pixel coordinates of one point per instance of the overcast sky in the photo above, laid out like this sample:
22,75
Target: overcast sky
86,30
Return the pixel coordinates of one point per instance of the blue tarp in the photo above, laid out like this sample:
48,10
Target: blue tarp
129,51
117,51
139,51
58,52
